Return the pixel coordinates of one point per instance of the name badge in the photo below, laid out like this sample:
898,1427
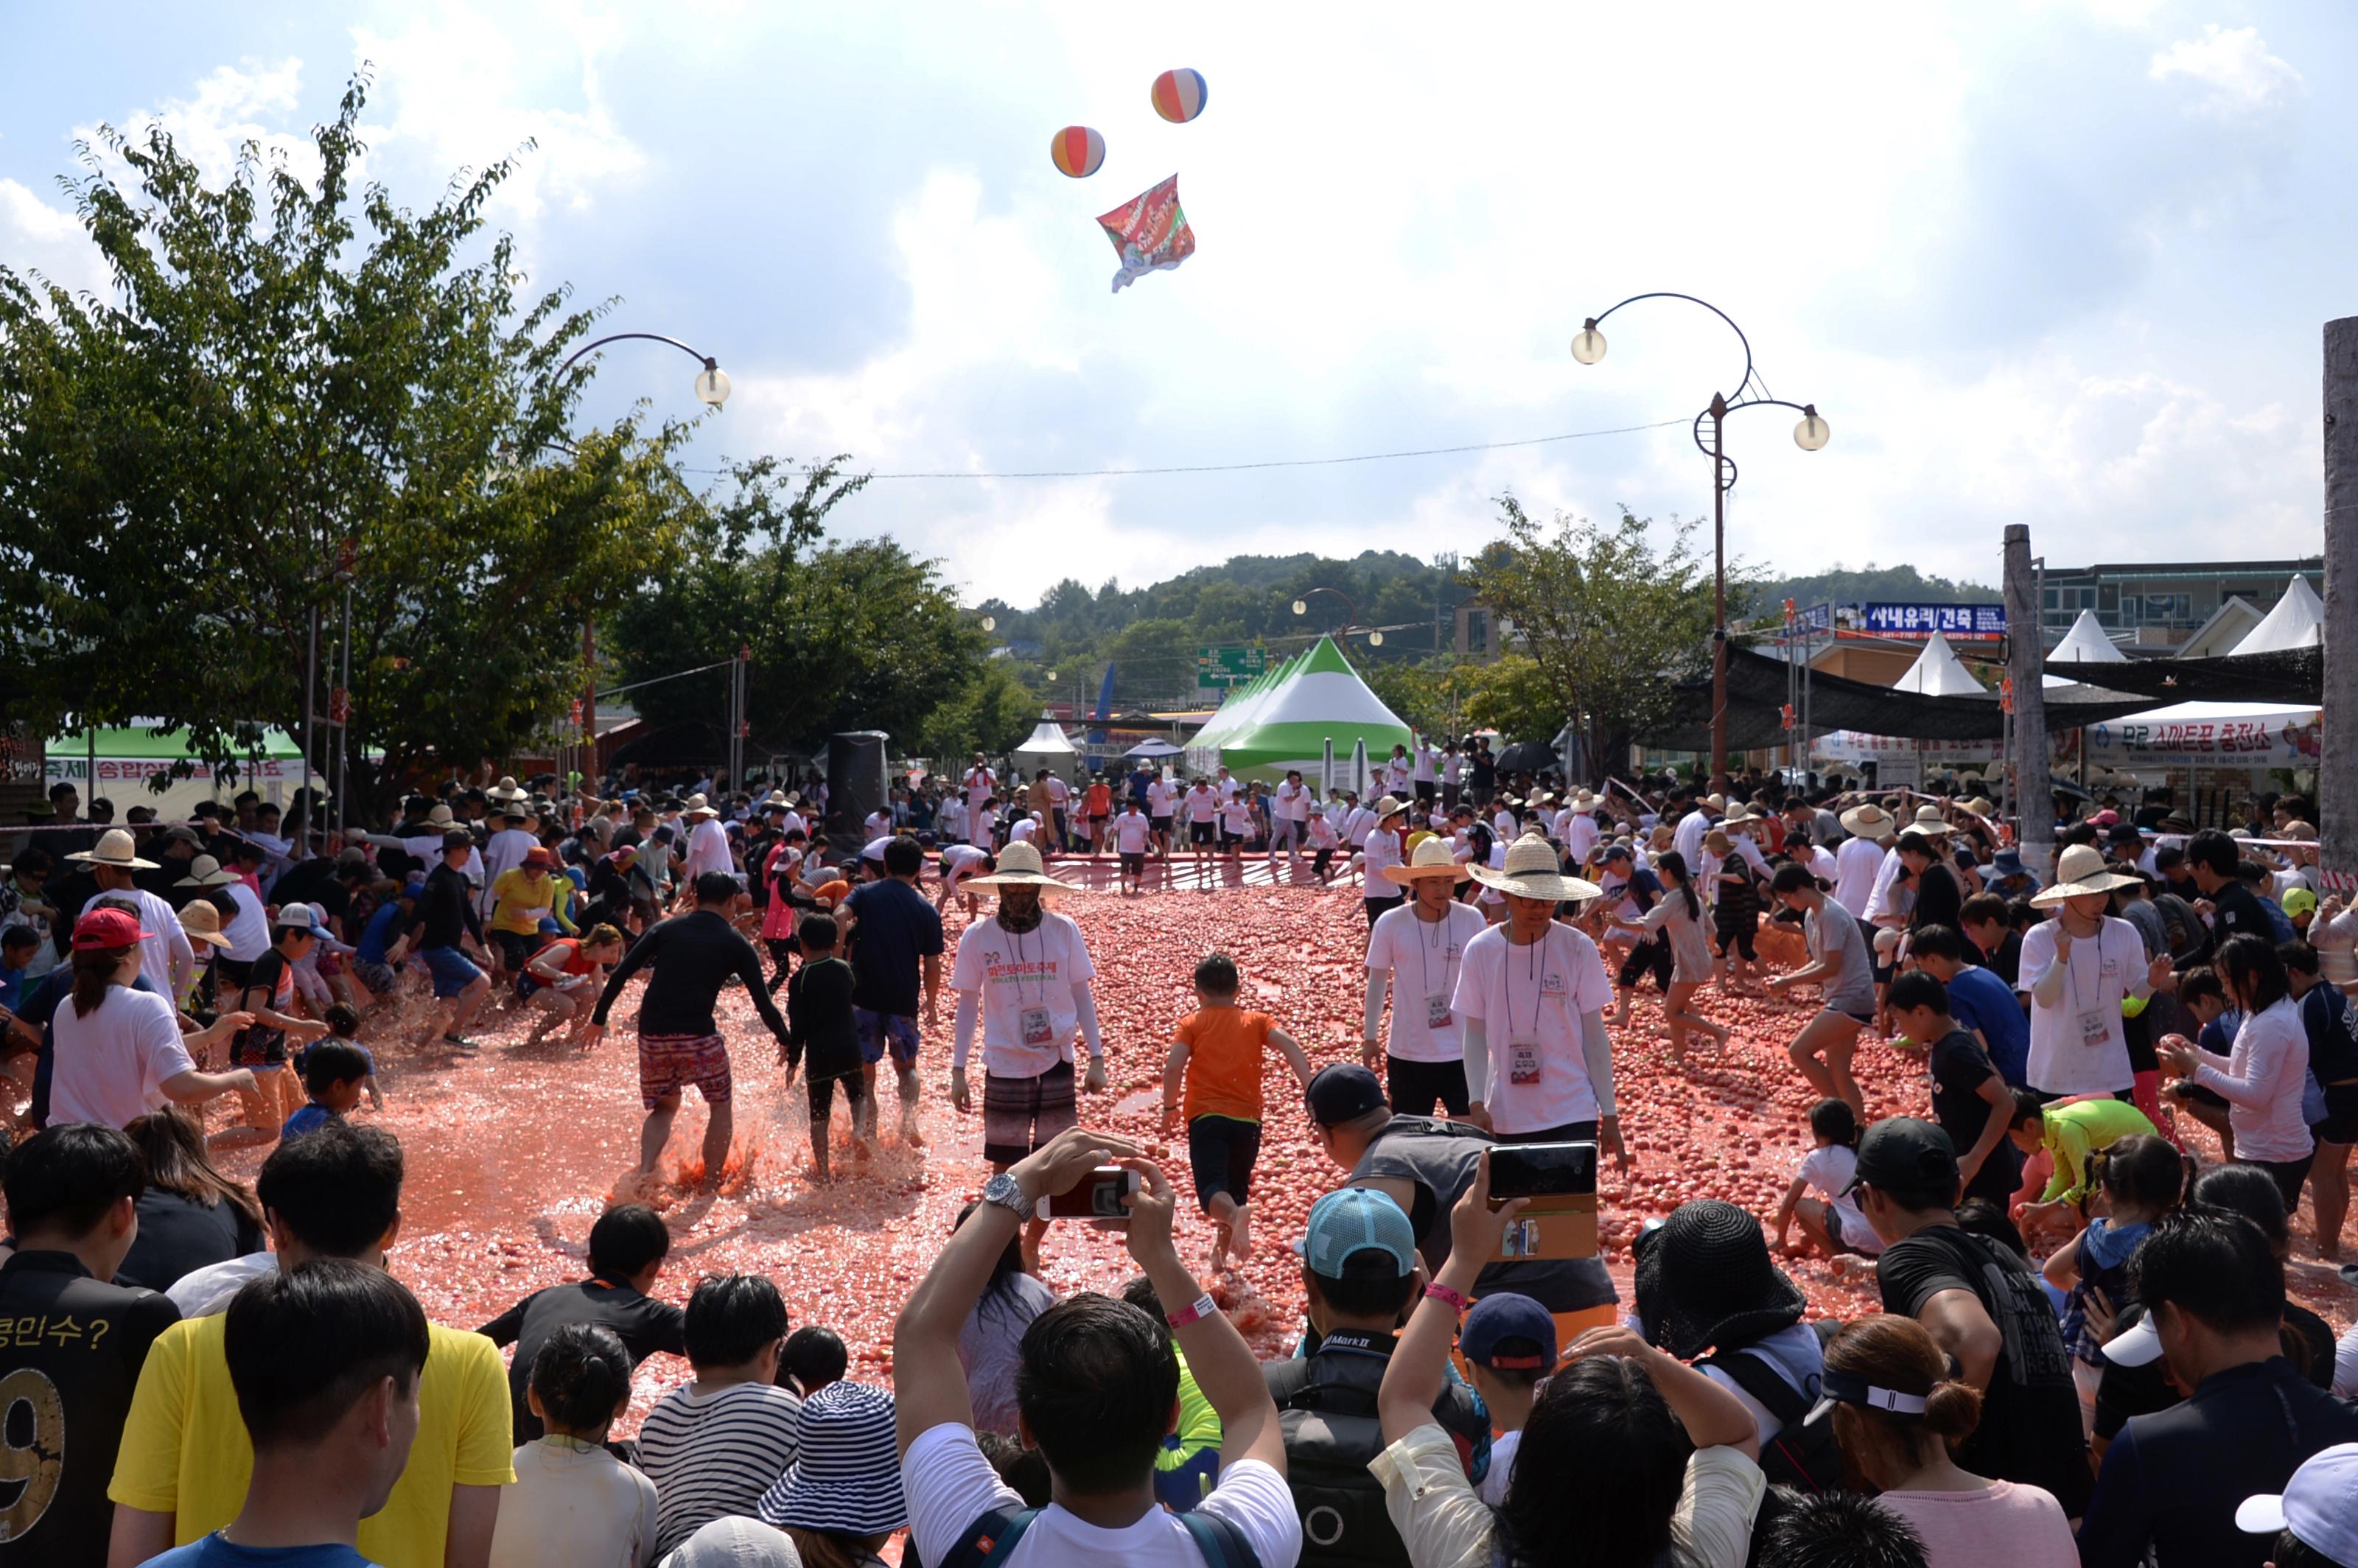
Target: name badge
2095,1029
1034,1023
1436,1010
1523,1062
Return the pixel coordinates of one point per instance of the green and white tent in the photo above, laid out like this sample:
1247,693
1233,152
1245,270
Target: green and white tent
1284,718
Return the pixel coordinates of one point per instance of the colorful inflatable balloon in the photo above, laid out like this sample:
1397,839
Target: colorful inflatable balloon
1179,95
1149,232
1077,151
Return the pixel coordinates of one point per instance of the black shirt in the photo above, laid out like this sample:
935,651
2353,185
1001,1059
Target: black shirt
2332,1027
71,1363
818,1019
1937,898
693,955
643,1324
897,930
2235,912
446,910
2125,1391
307,882
2029,1429
2172,1480
1958,1067
178,1236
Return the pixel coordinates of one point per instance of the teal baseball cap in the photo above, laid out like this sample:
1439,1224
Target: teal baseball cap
1356,1219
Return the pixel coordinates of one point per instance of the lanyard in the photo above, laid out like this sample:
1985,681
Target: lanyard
1424,949
1018,935
1534,970
2072,964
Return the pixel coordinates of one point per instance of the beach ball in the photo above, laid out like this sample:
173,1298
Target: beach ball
1077,151
1179,95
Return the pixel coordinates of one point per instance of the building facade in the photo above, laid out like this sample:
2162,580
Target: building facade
2156,607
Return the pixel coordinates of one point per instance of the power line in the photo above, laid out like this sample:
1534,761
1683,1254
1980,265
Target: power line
1243,468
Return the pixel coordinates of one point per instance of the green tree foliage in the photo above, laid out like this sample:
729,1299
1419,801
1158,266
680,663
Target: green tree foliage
1512,694
1611,619
1866,584
288,375
992,713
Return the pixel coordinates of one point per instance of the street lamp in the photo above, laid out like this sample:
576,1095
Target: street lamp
1350,614
1810,434
711,384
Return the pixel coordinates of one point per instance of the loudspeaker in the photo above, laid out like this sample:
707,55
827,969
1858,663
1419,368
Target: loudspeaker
855,785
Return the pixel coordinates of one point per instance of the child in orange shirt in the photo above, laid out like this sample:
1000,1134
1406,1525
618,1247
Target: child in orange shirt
1219,1054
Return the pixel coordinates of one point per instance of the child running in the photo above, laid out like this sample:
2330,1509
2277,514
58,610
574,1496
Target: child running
819,1021
1218,1055
1831,1221
1677,921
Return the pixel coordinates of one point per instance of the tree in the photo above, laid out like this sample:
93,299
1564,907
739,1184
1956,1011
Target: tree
992,713
297,390
1611,620
1512,694
1418,694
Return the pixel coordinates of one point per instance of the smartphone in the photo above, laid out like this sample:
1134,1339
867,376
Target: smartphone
1096,1195
1543,1170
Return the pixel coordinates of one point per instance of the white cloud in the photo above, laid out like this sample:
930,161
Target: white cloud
2239,76
36,237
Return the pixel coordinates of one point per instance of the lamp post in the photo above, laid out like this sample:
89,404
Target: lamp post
711,388
1350,614
1751,391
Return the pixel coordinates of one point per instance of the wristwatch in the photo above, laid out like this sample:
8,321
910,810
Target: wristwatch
1007,1193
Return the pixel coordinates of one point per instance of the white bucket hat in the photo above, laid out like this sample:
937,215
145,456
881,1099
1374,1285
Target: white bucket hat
204,872
1532,870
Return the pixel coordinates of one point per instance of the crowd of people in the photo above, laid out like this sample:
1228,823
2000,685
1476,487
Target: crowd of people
2086,1350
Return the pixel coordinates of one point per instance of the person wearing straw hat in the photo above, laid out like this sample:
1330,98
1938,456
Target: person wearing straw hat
2080,969
505,846
165,955
1385,845
708,842
1533,992
1413,951
1858,860
1023,976
841,1500
248,928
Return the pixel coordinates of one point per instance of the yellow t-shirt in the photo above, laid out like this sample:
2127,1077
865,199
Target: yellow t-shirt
185,1451
520,898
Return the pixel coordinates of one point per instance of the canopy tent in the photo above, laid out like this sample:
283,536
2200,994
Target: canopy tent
1046,747
2297,622
1938,672
1155,751
2085,644
1284,719
2210,734
132,762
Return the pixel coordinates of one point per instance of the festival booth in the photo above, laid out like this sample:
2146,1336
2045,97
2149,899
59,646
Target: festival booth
1288,718
132,762
1046,747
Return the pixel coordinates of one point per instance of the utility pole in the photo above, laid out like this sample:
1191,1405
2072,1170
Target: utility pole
2337,770
2026,660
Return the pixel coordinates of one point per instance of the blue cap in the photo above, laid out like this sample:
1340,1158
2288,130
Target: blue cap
1354,1220
1507,1315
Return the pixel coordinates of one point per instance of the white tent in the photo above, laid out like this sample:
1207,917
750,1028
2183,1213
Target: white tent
1938,672
2297,622
1045,748
2086,643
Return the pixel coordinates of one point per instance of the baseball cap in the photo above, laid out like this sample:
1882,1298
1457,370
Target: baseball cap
108,928
1507,1315
2298,901
297,917
1354,1220
2138,1345
1903,1151
1342,1091
2318,1504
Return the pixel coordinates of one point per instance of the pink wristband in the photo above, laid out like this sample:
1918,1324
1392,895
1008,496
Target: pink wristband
1459,1304
1204,1307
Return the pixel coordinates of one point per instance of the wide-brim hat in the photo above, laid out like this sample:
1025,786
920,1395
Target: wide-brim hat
204,872
1431,862
1980,806
1532,870
699,807
2081,868
506,790
439,817
115,849
1868,821
1931,817
844,1476
1019,866
1389,805
1705,1279
202,922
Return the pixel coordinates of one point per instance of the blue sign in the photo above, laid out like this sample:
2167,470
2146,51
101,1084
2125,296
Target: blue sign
1982,622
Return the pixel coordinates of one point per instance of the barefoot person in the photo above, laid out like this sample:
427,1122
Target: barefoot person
897,941
1414,951
1217,1057
1678,922
560,979
1839,967
679,1042
446,918
1024,975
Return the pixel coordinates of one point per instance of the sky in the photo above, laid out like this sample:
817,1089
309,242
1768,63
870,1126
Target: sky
2063,264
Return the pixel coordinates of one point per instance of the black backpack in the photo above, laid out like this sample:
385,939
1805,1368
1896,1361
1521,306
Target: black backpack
992,1537
1803,1455
1331,1433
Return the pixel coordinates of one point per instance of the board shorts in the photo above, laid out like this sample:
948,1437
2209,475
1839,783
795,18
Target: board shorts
1651,955
1202,832
516,947
1162,824
1020,1115
2341,1123
453,970
668,1062
1220,1151
378,978
879,1031
1134,865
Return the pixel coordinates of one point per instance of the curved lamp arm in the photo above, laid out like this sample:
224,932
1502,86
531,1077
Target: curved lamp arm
1588,332
711,387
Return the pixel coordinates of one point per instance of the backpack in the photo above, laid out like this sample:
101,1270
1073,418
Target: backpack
991,1539
1802,1455
1332,1431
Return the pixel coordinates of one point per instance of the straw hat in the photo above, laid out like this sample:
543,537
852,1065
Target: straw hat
1979,806
1868,821
439,817
204,872
201,921
1584,800
1431,862
1716,802
1532,870
697,807
1389,805
1019,866
1739,815
115,849
2079,869
506,789
1933,817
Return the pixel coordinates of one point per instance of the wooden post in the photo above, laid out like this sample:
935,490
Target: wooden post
2337,770
2026,658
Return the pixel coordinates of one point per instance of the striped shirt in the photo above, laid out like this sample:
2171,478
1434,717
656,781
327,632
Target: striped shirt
715,1455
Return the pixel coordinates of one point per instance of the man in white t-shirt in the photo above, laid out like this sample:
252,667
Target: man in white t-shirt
1228,787
1414,950
1453,773
1096,1388
1202,804
708,842
961,863
1425,772
1532,993
166,959
1160,798
1133,835
1056,796
950,820
1354,819
1237,821
1024,975
1859,863
504,849
1288,811
1575,828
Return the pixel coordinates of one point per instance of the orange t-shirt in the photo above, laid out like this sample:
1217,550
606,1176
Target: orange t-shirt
1099,802
1224,1047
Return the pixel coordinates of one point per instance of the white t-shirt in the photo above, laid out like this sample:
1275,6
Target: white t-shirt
1532,1000
1453,768
1828,1171
1322,832
1886,898
111,1065
2078,1046
1857,865
1228,786
249,929
1382,847
1422,957
165,957
1203,803
708,846
1292,803
1237,817
506,849
1427,760
1493,1489
980,786
949,1485
1026,981
1132,832
570,1507
1355,825
879,826
1578,831
1158,798
951,818
1396,771
961,862
1504,825
1059,791
1021,833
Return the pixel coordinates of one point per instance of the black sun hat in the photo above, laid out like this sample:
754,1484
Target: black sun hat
1705,1278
